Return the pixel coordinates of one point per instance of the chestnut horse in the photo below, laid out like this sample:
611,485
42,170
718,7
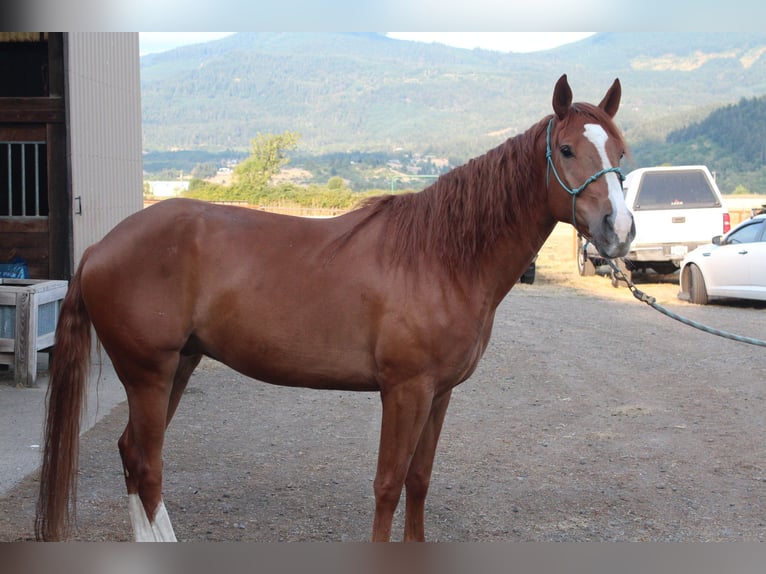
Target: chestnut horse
397,296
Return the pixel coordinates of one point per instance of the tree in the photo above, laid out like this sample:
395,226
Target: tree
336,183
268,154
740,190
205,170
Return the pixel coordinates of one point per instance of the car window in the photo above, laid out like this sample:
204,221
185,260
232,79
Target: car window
746,234
675,190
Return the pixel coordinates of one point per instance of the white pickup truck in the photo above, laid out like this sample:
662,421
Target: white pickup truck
675,210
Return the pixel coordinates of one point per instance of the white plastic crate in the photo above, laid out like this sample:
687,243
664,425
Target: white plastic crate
29,312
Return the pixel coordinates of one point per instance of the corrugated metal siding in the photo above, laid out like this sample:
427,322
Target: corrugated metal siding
104,126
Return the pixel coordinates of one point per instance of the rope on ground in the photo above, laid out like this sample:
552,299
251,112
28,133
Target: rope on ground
652,302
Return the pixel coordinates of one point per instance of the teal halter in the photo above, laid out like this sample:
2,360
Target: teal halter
573,192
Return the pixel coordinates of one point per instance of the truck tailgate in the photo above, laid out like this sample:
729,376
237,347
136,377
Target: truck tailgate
682,226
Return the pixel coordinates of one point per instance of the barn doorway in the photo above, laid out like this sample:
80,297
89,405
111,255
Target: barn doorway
35,196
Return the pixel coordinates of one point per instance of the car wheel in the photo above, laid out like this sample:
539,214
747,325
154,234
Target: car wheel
529,275
697,289
585,267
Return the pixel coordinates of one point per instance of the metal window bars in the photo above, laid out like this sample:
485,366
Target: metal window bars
23,179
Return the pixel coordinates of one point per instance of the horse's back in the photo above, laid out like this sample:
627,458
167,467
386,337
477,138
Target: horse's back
181,237
232,283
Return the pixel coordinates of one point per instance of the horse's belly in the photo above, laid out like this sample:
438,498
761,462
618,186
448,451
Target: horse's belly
297,361
306,376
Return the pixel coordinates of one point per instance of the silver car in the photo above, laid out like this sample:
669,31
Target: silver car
732,266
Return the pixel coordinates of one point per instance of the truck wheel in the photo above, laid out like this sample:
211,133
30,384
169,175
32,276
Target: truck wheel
585,267
697,289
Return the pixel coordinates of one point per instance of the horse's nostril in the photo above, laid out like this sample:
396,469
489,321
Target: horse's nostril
609,225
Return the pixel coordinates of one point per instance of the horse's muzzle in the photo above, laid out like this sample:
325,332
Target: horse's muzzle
607,241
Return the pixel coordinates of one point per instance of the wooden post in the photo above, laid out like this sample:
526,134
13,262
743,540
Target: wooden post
24,353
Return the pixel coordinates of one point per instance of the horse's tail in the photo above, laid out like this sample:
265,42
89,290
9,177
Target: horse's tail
70,364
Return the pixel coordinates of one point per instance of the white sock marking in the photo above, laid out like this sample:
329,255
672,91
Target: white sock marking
621,218
161,530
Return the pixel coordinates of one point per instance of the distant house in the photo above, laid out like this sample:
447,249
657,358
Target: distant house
70,144
164,189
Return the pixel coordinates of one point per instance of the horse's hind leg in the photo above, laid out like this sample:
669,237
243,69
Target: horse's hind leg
152,398
186,367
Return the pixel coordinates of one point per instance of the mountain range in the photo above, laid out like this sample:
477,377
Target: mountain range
368,92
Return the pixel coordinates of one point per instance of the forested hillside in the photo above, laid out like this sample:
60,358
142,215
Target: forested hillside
369,94
731,141
739,129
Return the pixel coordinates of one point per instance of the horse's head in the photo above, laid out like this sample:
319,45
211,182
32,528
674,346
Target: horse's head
584,149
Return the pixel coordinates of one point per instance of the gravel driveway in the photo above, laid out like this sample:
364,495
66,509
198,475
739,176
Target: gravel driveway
589,418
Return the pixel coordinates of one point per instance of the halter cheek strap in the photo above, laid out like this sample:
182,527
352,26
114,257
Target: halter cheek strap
573,192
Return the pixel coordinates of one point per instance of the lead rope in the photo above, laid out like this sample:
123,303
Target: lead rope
652,302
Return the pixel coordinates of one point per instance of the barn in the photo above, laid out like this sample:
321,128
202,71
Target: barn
70,144
70,169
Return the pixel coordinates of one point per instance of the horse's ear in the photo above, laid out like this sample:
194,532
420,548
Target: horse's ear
611,101
562,97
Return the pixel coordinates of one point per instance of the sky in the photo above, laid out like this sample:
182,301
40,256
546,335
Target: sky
555,16
152,42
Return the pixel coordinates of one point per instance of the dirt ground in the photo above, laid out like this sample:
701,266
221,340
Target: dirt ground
591,418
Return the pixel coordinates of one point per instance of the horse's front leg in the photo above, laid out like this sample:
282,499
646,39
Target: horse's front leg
406,407
419,474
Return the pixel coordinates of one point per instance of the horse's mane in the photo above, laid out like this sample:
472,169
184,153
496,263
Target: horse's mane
469,208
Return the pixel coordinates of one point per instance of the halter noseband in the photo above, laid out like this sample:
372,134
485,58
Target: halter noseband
573,192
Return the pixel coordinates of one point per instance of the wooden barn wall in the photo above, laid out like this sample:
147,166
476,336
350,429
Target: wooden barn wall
102,75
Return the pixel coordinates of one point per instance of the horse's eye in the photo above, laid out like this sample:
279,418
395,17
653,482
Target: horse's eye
566,151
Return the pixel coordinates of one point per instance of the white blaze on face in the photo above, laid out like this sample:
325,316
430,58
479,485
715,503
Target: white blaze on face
621,218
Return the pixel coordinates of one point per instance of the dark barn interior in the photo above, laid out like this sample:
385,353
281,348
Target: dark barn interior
35,203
